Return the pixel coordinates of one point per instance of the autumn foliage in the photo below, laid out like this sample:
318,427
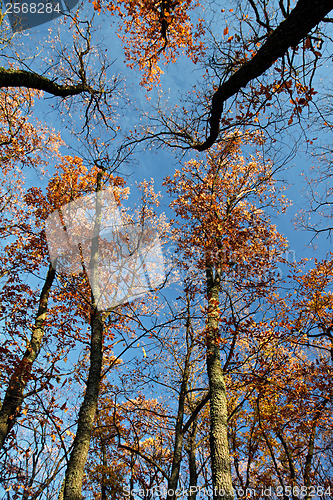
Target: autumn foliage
153,32
218,380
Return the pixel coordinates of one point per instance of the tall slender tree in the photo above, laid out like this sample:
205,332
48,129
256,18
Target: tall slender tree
225,233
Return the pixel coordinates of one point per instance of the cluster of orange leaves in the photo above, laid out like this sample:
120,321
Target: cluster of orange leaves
153,30
218,201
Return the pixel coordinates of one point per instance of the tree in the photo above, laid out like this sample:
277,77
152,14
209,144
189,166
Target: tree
152,32
155,31
65,71
224,227
145,434
227,249
22,145
257,37
92,308
279,438
12,403
73,173
32,251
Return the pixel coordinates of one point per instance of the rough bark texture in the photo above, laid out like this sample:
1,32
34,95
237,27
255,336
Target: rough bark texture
219,446
77,461
78,457
31,80
302,19
14,396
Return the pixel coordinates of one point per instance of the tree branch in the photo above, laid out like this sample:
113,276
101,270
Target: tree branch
145,457
196,411
21,78
302,19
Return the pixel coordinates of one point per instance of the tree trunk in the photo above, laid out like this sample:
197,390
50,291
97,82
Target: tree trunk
311,449
219,446
105,464
78,458
179,438
179,433
14,396
76,464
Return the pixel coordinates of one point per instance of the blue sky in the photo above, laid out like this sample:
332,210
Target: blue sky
157,163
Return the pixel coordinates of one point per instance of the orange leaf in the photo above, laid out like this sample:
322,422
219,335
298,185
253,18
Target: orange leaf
307,44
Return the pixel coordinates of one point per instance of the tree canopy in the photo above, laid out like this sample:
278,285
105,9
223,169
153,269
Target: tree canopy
160,338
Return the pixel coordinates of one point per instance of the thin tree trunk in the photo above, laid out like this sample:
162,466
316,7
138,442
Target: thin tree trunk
179,438
105,464
290,462
14,396
219,446
75,468
192,462
179,434
311,449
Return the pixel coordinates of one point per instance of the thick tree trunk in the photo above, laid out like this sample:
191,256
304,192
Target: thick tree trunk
78,458
76,464
219,446
14,396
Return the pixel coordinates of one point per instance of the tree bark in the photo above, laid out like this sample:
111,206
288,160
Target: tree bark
105,464
311,448
179,432
14,396
193,482
219,446
301,20
30,80
78,457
